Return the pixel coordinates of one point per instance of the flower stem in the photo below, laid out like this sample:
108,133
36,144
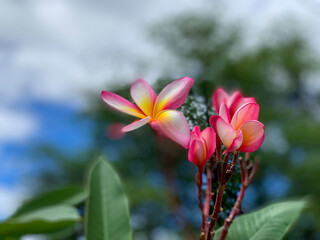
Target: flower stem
235,211
247,174
209,193
232,167
217,207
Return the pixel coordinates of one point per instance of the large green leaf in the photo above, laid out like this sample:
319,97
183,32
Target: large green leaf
43,220
107,208
66,196
271,222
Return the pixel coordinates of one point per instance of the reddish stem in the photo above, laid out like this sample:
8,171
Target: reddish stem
255,169
209,193
199,184
218,154
247,174
232,167
219,172
243,174
217,207
218,148
234,212
216,212
247,163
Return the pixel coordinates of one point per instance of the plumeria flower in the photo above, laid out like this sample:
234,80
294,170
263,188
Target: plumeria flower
159,111
242,132
202,146
233,102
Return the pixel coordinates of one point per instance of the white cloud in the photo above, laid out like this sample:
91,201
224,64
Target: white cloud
56,50
258,18
16,126
59,49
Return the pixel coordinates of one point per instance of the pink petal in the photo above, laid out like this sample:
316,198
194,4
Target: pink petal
173,125
253,136
224,112
234,99
195,133
209,137
249,111
223,129
219,96
143,95
236,143
238,101
196,130
121,104
136,124
197,153
173,95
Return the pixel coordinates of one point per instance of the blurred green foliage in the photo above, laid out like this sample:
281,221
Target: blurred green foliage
53,213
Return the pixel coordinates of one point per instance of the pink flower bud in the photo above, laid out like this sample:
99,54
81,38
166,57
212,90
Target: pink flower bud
201,146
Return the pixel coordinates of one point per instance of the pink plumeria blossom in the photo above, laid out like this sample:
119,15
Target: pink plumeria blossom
202,146
242,132
233,102
159,111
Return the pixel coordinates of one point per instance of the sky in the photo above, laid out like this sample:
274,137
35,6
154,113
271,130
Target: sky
53,52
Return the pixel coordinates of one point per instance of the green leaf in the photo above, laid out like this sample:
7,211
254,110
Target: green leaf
107,207
43,220
65,196
271,222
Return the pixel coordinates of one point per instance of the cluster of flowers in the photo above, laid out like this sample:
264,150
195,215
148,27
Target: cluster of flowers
236,125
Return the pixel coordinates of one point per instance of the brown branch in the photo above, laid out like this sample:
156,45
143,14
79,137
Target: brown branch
216,212
224,168
232,167
243,176
209,193
255,169
218,154
247,174
247,163
235,211
218,148
217,206
219,171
